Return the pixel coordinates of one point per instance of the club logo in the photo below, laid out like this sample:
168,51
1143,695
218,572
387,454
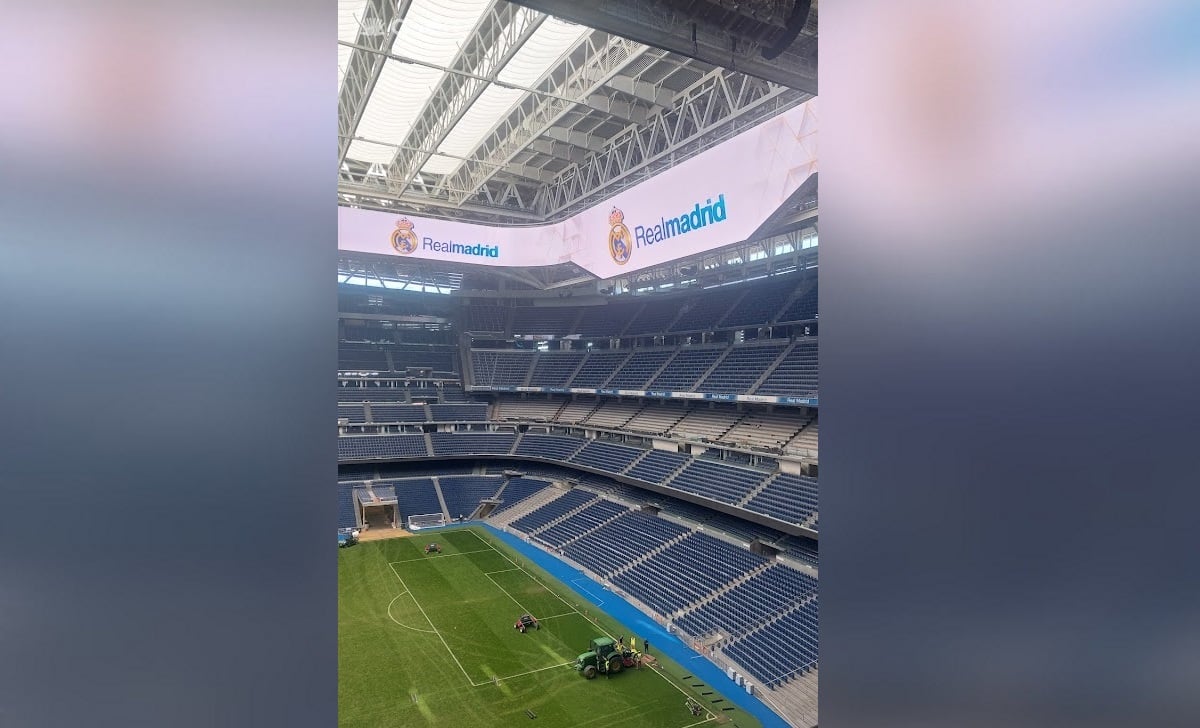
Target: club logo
404,240
620,242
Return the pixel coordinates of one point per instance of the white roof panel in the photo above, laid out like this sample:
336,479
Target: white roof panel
433,31
535,59
350,13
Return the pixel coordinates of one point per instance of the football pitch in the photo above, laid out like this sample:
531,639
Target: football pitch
428,640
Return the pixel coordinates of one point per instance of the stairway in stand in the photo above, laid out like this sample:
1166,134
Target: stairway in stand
651,552
530,504
796,699
693,606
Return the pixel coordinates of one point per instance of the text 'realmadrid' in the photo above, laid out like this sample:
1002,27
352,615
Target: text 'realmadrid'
668,227
438,246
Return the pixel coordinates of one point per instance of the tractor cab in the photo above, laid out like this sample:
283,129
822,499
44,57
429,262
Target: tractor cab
603,656
433,548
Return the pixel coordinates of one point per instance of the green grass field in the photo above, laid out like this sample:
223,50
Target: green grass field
420,639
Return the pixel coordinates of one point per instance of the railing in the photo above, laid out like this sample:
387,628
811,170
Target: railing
565,429
790,673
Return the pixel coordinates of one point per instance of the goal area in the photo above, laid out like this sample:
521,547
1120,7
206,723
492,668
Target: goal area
427,520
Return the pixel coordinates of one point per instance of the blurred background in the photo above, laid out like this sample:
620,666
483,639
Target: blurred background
1009,318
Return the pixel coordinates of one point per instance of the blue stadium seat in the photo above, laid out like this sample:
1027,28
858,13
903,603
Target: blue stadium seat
354,447
471,443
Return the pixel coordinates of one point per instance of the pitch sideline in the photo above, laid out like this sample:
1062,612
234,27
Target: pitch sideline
669,681
435,631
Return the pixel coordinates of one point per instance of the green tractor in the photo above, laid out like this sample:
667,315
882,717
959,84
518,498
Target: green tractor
604,656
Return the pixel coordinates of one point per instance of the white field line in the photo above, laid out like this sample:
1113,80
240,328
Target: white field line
431,625
711,715
522,674
440,556
521,568
502,571
510,596
538,582
556,616
389,614
613,717
668,680
599,601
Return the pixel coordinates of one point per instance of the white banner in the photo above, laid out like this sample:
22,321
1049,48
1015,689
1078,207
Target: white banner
716,198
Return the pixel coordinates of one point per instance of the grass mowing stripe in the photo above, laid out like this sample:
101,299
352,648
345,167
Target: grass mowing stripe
442,556
510,596
439,634
564,601
381,665
389,614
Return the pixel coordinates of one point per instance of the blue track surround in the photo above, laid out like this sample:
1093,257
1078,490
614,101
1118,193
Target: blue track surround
642,625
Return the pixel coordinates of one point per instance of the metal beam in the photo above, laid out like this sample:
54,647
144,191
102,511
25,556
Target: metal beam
580,139
505,28
401,147
377,31
655,94
561,150
604,56
374,197
616,107
532,173
447,69
717,106
662,26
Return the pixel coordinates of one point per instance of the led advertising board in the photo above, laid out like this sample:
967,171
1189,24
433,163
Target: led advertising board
718,197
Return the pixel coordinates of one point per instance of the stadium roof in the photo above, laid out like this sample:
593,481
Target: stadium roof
495,112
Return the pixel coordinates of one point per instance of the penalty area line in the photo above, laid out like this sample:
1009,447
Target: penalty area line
431,626
439,556
522,674
556,616
660,672
518,567
510,596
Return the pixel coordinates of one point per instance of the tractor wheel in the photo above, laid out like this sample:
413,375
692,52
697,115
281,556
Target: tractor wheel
589,672
615,665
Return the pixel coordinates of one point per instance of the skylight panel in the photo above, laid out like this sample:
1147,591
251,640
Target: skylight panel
535,59
350,13
540,54
491,106
433,31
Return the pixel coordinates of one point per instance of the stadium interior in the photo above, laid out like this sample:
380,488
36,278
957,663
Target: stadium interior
676,404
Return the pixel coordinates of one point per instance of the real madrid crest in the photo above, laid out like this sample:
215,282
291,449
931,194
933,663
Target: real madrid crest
620,243
404,240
